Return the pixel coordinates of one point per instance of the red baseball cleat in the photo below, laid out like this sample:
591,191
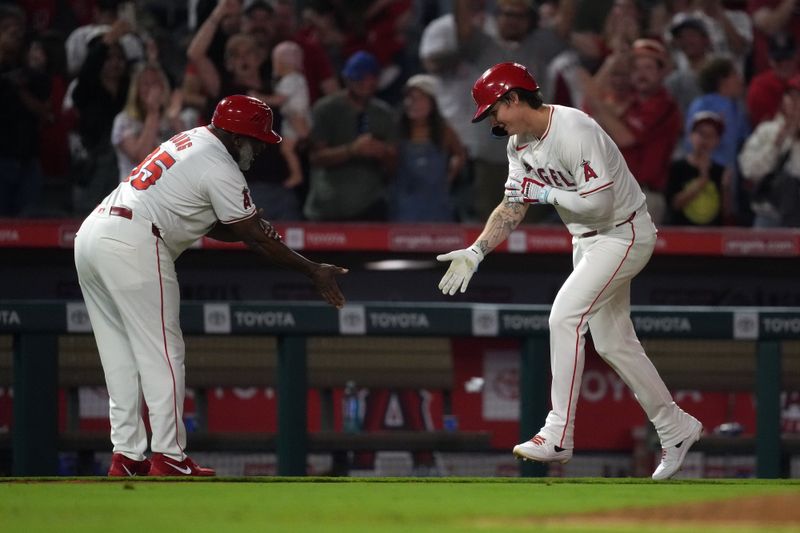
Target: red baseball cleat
122,466
165,466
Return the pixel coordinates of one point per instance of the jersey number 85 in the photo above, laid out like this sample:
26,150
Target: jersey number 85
150,169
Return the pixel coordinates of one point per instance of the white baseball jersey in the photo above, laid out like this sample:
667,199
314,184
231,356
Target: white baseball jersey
575,154
184,187
124,255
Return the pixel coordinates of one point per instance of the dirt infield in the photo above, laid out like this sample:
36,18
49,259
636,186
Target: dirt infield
773,510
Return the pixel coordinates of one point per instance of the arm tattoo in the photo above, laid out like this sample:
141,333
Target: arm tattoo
503,220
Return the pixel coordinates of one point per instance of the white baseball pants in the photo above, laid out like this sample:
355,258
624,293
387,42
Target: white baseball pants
597,296
131,291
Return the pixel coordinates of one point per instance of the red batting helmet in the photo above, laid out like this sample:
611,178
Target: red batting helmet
246,116
496,82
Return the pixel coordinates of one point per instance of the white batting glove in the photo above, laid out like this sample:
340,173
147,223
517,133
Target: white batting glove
463,264
527,191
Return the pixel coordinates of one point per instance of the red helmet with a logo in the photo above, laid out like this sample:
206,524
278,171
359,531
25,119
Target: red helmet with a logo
245,115
496,82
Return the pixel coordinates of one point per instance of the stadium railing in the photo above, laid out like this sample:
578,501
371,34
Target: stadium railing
762,358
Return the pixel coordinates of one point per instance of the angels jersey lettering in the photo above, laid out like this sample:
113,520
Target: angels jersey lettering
575,154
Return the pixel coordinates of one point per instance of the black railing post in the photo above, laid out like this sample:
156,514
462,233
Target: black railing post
35,434
533,395
292,390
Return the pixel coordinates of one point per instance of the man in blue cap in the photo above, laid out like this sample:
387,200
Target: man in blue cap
353,138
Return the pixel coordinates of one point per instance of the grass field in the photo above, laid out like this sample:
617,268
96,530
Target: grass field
381,505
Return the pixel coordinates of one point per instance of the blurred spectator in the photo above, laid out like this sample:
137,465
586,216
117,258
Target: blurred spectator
430,156
691,42
291,91
324,23
648,131
353,140
440,57
220,19
611,84
61,16
290,99
730,30
317,67
621,24
152,114
770,159
520,39
695,190
258,20
604,55
381,27
375,26
518,36
770,18
106,19
207,51
100,93
23,106
723,88
766,90
244,74
241,74
47,58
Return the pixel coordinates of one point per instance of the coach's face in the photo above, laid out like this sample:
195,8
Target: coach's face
247,149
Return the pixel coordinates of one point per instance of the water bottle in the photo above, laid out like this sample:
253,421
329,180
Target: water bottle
351,404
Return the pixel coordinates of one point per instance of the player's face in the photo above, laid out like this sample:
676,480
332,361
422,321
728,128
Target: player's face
248,150
504,115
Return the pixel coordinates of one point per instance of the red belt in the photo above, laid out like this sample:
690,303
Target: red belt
119,211
595,231
125,212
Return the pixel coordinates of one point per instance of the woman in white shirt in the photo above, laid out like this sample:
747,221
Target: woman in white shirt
152,114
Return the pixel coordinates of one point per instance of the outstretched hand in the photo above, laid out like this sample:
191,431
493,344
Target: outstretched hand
324,279
463,264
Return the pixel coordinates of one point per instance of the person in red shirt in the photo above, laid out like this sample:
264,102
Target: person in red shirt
771,18
650,127
317,66
766,89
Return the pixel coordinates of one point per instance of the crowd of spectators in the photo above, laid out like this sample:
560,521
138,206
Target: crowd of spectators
372,98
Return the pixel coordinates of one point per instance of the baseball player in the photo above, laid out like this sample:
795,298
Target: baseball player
190,186
560,156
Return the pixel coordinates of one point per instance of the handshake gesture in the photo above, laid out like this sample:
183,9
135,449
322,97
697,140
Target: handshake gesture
526,190
463,264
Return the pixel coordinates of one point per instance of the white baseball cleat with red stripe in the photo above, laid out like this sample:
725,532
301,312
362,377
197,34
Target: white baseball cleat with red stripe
672,457
539,449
